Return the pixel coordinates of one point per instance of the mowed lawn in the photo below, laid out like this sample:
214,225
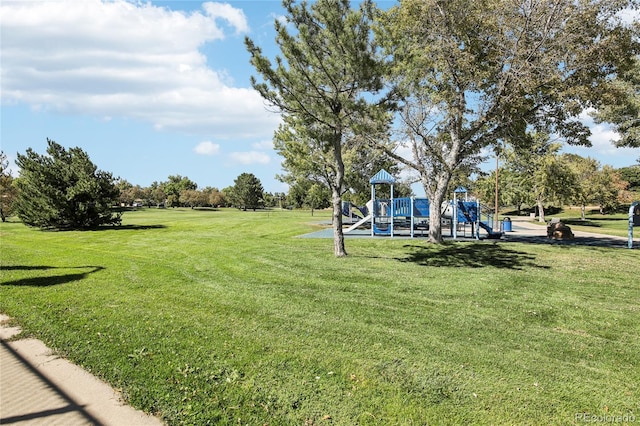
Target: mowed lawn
226,317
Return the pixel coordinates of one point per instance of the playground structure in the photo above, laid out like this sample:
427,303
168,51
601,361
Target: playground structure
388,216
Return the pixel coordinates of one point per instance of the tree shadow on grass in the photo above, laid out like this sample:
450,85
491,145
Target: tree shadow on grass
48,281
104,228
470,256
122,228
592,241
26,268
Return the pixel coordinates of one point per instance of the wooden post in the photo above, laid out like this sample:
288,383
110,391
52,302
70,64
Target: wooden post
495,219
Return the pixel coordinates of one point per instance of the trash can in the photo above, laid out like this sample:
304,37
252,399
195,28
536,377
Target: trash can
506,224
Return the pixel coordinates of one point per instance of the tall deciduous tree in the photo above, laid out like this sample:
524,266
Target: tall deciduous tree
631,174
194,198
553,180
542,172
175,186
609,189
317,197
476,73
586,171
215,197
534,173
129,193
324,83
157,194
64,190
513,190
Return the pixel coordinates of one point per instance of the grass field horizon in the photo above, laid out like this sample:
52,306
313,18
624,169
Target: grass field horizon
226,317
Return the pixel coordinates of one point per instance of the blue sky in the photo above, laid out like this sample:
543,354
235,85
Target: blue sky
152,89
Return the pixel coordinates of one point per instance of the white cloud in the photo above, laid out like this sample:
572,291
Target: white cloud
263,145
280,18
602,147
207,148
601,135
126,59
601,139
12,168
234,16
405,150
604,150
250,157
629,16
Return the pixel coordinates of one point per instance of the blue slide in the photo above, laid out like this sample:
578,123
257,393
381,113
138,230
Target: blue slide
492,234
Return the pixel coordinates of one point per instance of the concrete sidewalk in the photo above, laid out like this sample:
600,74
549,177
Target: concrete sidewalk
38,388
526,231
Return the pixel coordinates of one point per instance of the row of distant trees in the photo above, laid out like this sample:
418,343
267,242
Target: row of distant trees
63,189
180,191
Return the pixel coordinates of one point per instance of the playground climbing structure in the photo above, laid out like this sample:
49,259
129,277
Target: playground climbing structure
389,216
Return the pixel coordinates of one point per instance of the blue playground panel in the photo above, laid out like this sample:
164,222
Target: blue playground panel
402,207
467,212
421,207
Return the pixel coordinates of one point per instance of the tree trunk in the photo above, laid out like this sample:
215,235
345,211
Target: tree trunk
338,236
540,211
435,223
436,198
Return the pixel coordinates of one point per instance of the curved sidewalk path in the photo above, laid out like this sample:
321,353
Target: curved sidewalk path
38,388
526,231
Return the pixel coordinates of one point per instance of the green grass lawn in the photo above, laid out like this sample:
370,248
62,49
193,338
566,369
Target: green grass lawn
225,317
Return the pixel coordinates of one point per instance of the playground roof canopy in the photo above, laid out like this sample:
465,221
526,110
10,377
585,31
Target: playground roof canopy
382,176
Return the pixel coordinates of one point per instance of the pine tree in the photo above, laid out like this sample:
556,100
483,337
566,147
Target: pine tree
326,84
248,191
64,190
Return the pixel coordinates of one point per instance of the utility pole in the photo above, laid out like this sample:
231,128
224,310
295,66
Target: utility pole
496,222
